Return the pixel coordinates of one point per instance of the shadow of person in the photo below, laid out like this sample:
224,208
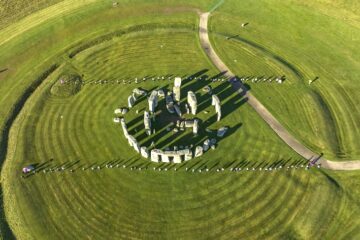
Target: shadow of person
3,70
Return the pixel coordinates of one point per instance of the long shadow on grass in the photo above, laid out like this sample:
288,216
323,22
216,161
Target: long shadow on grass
5,229
231,97
163,118
225,91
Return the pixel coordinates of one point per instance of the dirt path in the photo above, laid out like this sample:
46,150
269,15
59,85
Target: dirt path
261,110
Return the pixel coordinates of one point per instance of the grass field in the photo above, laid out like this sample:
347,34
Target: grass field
324,115
12,11
97,41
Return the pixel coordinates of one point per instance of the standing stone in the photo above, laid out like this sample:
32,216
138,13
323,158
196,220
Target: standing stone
165,158
199,151
147,123
216,102
144,152
188,155
177,158
177,110
155,155
196,126
176,89
153,101
124,128
169,103
192,101
189,123
187,108
134,143
131,101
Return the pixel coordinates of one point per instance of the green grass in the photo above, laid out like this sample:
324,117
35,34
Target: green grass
81,127
68,84
12,11
160,39
300,43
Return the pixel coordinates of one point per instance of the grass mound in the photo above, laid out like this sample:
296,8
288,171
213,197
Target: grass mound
67,85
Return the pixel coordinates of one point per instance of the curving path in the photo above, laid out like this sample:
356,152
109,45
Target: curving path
261,110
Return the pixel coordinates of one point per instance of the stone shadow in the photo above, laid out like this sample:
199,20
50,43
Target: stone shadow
226,89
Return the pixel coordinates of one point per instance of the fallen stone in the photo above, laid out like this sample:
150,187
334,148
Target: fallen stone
139,91
161,93
207,89
221,132
206,145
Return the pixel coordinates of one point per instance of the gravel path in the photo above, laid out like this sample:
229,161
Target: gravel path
262,111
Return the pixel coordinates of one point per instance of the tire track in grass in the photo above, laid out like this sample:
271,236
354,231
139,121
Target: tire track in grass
293,111
58,194
134,57
130,175
69,136
259,216
300,208
313,226
244,198
194,214
100,103
9,122
26,126
285,217
200,208
238,207
72,135
330,118
265,114
55,130
346,140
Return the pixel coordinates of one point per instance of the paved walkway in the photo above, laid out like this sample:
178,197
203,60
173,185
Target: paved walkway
261,110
